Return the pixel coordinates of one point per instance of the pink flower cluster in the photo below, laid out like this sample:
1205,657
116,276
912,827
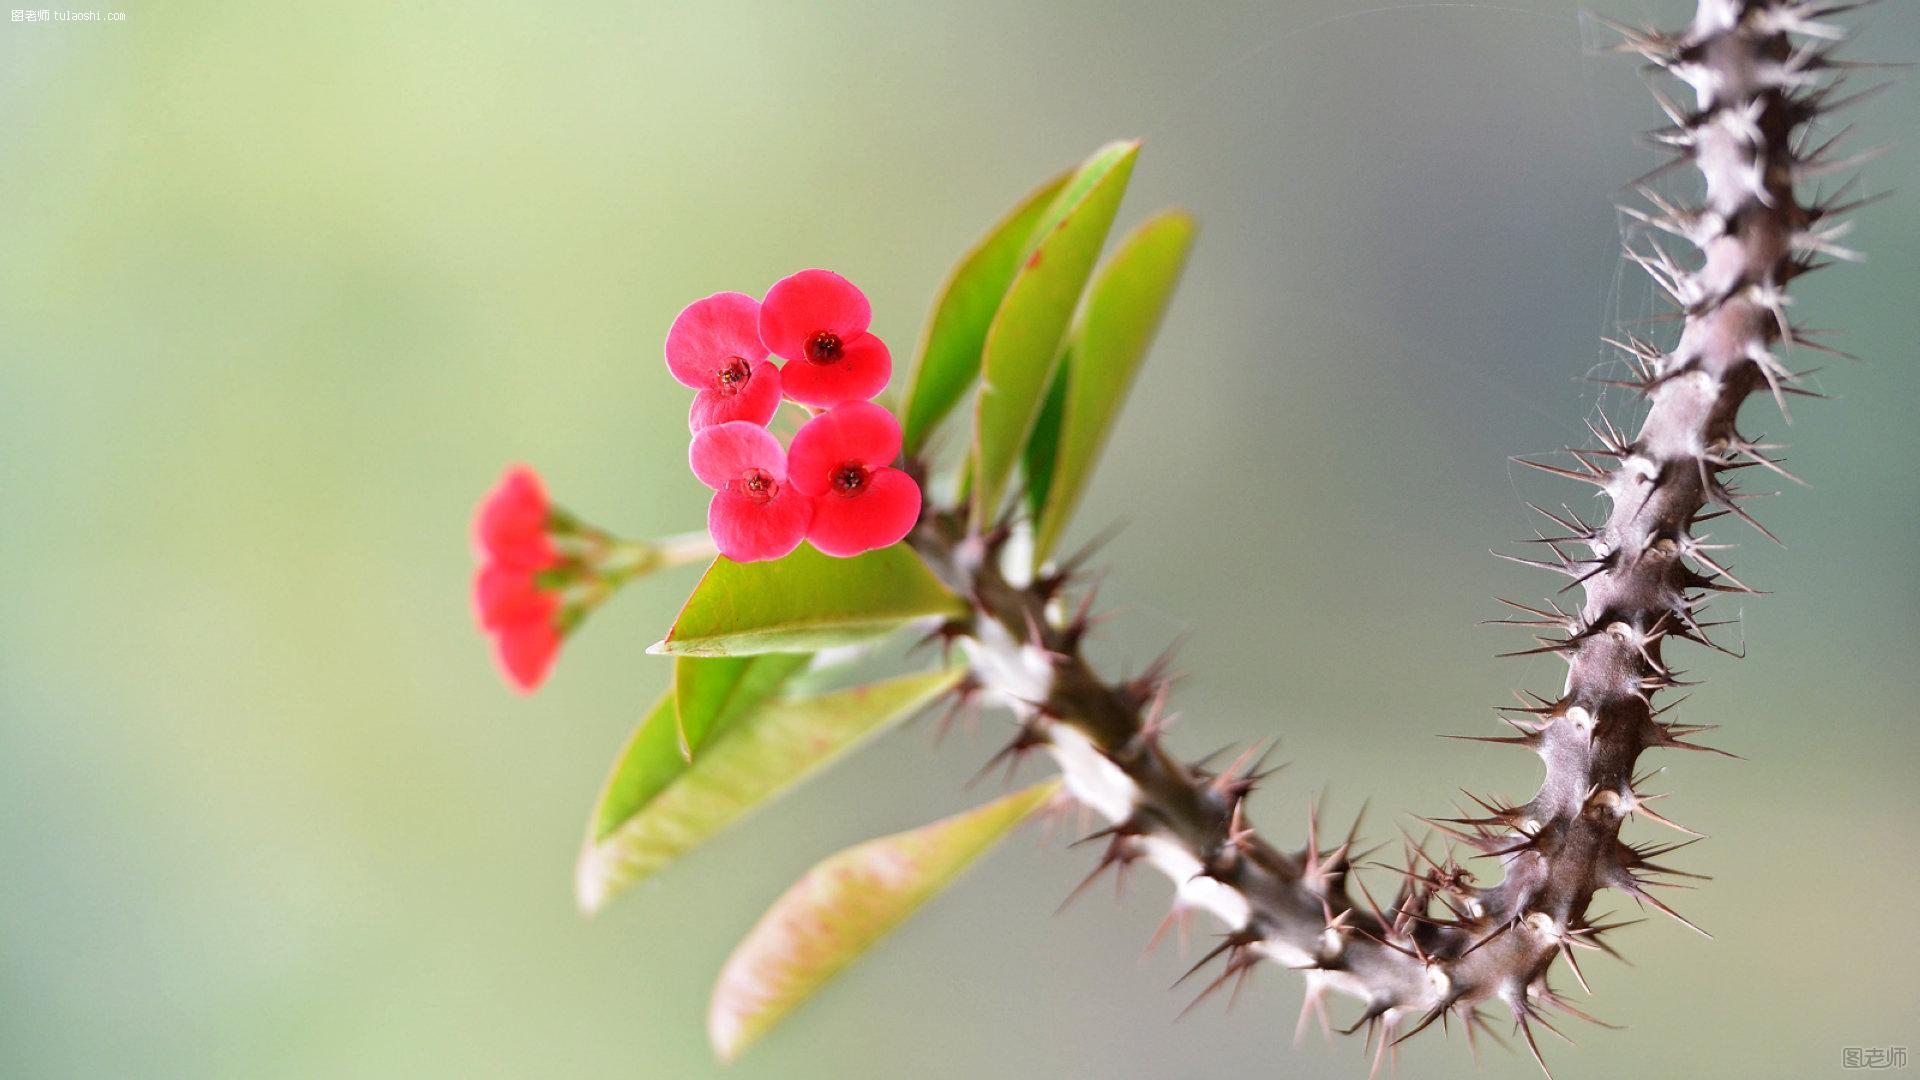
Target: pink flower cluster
835,486
511,542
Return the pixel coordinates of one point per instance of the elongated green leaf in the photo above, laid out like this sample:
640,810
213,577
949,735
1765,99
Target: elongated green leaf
1044,443
656,807
1090,174
841,907
648,762
711,692
1023,343
949,356
805,602
1122,312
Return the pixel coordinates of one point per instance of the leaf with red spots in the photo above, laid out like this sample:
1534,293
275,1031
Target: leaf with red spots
1022,348
655,806
841,907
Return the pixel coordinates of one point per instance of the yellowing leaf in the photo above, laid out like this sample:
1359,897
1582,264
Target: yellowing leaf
711,692
655,806
841,907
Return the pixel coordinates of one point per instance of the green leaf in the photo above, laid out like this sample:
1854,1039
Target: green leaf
656,807
1044,443
1023,343
1090,174
1122,312
841,907
949,356
648,762
806,602
711,692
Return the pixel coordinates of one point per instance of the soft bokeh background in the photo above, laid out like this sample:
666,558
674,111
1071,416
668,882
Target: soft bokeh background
283,286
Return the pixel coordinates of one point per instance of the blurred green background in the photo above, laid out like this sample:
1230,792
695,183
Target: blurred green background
282,287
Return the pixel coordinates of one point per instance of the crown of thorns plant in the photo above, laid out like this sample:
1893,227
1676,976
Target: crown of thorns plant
828,542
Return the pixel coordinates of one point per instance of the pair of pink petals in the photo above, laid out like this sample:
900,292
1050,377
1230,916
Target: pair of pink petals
511,542
814,320
835,488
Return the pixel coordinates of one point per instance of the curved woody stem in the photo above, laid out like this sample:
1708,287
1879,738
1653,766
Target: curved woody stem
1758,70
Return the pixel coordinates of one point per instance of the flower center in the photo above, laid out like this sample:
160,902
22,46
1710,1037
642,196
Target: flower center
756,484
849,478
733,375
824,347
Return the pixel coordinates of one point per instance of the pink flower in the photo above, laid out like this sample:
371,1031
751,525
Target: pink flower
526,651
755,513
714,346
511,525
511,542
842,459
506,595
519,616
817,321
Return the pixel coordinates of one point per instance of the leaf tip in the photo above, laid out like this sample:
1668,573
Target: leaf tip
723,1034
732,1012
590,889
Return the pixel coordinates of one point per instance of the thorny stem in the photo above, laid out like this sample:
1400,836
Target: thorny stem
1758,71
